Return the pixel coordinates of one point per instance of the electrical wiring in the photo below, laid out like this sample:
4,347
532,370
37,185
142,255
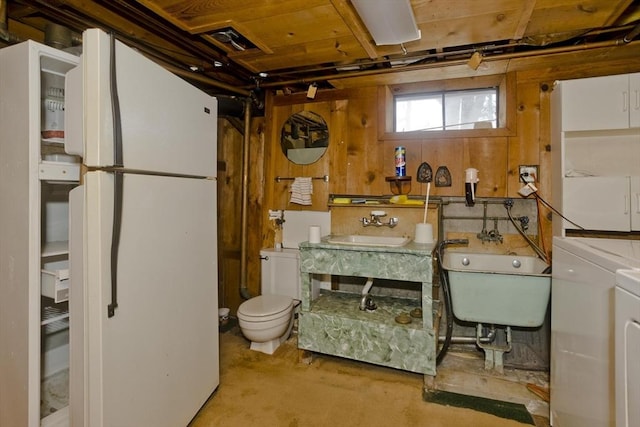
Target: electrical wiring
555,211
542,244
548,205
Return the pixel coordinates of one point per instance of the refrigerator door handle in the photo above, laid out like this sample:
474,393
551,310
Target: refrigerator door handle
118,177
115,105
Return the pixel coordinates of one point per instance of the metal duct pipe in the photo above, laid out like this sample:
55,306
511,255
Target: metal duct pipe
244,291
57,36
5,35
3,16
632,34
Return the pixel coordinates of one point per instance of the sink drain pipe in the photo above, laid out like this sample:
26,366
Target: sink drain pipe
487,339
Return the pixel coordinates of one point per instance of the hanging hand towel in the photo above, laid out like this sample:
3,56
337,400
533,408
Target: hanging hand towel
301,191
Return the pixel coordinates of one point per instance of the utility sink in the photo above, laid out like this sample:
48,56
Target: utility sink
357,240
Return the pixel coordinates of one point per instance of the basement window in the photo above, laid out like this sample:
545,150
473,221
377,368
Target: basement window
447,110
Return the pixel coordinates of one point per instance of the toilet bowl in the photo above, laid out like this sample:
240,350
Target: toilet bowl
267,321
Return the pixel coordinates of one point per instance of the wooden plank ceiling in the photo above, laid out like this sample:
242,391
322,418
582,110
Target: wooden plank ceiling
294,42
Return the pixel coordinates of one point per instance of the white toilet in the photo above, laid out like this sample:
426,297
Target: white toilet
267,320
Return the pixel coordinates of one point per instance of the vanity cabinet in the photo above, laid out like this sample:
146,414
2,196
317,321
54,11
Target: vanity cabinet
333,323
595,130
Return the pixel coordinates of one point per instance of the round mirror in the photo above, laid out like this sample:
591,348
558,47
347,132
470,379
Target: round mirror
304,137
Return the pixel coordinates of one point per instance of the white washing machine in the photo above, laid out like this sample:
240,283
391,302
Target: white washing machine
627,350
583,285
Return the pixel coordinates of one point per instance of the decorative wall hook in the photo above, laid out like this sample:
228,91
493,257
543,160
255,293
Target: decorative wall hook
443,177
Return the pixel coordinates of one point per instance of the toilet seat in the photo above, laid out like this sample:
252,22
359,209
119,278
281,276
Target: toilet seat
264,308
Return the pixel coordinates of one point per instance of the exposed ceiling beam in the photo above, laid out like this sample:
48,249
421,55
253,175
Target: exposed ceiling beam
358,29
525,17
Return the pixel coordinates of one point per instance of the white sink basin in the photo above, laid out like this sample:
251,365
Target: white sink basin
357,240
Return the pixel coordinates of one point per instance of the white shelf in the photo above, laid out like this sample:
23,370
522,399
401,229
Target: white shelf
56,141
50,249
59,171
54,318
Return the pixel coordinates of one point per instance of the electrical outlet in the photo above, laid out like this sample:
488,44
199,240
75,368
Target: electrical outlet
528,173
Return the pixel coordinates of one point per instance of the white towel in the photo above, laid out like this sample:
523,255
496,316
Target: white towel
301,191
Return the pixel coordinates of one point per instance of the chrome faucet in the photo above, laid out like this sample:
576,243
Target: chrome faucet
377,222
494,235
489,236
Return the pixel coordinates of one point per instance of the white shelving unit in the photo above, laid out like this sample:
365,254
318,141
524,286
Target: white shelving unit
35,179
595,128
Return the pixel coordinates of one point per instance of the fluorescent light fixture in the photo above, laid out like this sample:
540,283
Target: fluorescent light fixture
390,22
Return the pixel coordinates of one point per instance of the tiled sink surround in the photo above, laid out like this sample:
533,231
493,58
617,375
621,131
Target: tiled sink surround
345,220
334,324
453,228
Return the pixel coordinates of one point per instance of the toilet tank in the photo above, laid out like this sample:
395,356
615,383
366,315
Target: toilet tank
280,272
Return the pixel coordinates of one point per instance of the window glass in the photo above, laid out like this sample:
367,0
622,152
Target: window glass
450,110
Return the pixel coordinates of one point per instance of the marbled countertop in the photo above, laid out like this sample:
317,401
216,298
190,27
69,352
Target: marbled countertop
410,248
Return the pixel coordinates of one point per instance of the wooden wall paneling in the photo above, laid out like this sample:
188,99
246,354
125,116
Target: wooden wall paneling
575,65
524,149
268,185
280,165
229,206
530,147
545,181
322,166
385,114
256,216
365,155
445,152
284,168
490,157
338,147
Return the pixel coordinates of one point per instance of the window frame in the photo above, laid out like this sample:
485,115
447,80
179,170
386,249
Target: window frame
443,96
506,102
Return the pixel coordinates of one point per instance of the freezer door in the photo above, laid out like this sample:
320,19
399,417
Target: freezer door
164,123
155,361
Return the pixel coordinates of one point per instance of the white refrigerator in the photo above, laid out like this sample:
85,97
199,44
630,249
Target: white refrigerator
142,242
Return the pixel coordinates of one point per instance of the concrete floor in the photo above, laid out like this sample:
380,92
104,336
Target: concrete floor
281,390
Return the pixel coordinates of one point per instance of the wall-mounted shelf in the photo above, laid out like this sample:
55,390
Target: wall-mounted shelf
399,184
351,200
